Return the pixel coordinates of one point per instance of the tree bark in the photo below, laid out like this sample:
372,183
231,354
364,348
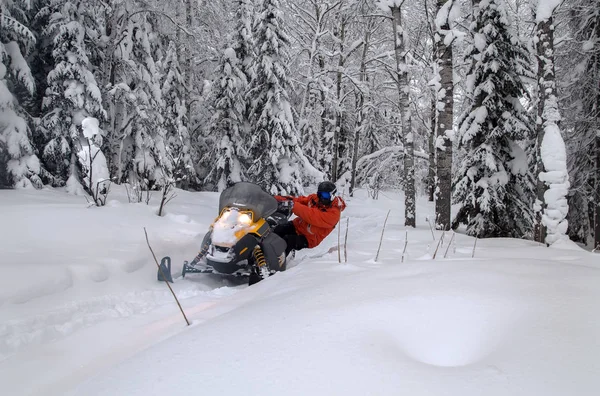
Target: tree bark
444,127
405,118
326,156
189,62
597,179
596,62
431,182
338,139
546,88
360,105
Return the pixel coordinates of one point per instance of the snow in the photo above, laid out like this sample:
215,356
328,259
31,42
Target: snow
556,177
588,45
81,311
386,5
545,9
480,42
19,66
90,127
518,165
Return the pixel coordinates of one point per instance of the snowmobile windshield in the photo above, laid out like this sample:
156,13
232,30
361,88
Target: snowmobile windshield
248,196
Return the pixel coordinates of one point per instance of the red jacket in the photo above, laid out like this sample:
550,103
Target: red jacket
315,221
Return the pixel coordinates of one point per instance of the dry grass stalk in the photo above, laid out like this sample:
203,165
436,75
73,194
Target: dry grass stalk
382,231
438,245
164,277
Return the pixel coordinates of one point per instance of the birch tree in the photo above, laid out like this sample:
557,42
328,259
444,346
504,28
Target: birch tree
401,52
447,10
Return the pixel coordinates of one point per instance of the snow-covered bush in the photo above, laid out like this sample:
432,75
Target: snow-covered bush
95,176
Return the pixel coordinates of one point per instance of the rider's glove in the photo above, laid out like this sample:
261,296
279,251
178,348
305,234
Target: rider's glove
285,206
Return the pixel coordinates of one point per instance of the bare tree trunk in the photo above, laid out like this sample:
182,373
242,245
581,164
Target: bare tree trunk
546,88
360,105
189,61
357,131
405,118
312,53
338,139
596,62
445,120
431,182
597,179
325,157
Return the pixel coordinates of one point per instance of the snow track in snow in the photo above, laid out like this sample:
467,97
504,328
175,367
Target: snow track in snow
61,322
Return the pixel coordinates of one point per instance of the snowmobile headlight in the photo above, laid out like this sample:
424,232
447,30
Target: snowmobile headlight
245,219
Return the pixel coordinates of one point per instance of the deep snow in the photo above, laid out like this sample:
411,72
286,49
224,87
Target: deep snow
81,311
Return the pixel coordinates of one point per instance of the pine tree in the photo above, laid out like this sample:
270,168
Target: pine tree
229,124
493,184
72,93
228,121
243,39
17,154
139,147
178,142
277,155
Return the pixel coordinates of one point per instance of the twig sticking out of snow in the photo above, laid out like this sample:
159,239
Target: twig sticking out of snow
167,195
164,277
438,245
449,244
339,226
346,240
405,245
382,231
474,246
431,228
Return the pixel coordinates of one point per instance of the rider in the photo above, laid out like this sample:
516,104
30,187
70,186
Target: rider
317,215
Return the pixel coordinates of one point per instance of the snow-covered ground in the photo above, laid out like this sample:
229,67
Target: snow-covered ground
81,311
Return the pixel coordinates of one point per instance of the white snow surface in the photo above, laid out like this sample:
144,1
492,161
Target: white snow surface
81,312
386,5
545,9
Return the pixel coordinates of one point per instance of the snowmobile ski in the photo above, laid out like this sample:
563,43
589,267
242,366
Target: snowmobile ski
164,270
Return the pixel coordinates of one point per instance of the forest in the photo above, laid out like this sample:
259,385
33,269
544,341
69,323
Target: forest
489,108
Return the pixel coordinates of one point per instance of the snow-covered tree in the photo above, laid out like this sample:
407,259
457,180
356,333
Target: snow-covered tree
556,178
17,154
447,10
138,143
178,143
553,184
402,81
578,73
493,184
314,18
228,123
72,93
243,39
277,157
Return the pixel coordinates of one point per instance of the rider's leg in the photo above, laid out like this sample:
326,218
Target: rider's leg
295,242
285,229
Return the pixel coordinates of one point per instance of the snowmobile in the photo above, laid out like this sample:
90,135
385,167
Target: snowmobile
240,242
